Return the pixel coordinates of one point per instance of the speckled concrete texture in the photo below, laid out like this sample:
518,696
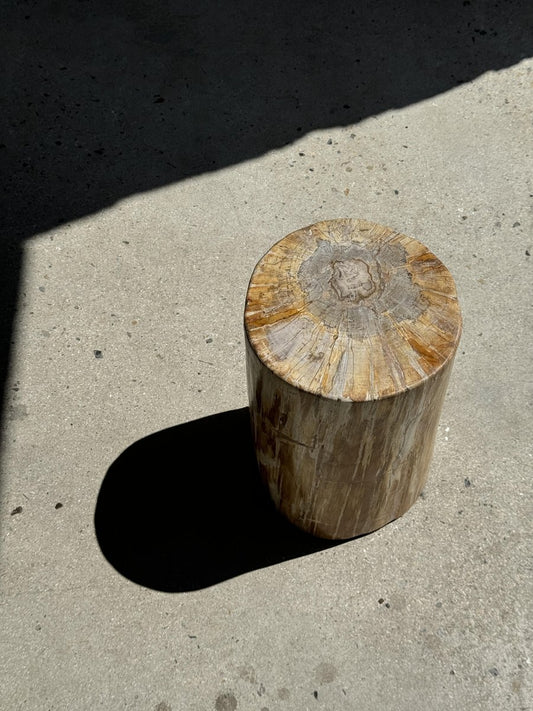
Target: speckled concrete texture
152,153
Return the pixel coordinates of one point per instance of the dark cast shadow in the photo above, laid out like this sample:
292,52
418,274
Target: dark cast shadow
184,508
105,99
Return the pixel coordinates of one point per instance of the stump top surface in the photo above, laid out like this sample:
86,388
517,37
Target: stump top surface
352,310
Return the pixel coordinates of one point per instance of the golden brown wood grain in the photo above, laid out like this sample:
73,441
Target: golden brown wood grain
351,331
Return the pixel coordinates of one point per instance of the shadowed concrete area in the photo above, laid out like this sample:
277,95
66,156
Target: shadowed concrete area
108,99
173,520
151,154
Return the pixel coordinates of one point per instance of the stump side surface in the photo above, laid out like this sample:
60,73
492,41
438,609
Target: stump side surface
351,310
340,469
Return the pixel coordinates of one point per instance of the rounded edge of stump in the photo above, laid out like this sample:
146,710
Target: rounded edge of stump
368,226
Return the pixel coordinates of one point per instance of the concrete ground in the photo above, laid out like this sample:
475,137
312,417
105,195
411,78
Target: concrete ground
154,153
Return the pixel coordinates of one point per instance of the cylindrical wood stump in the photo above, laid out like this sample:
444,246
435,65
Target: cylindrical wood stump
351,333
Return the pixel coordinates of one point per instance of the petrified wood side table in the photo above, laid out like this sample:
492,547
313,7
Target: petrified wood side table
351,333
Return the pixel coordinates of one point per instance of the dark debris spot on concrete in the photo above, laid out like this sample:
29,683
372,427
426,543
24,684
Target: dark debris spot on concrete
468,483
226,702
494,671
315,694
528,254
16,511
381,600
59,505
209,340
98,354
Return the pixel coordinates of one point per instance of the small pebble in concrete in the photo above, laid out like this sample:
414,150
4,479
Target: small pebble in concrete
98,354
468,483
494,671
